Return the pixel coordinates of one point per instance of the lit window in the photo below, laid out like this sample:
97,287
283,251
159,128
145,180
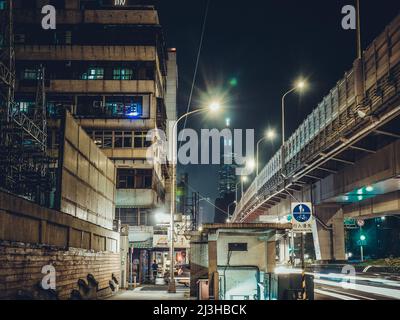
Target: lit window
94,74
126,107
24,106
30,74
122,74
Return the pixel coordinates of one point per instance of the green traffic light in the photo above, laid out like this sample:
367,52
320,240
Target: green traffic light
362,237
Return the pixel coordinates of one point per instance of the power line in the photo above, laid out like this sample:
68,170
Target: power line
197,64
205,198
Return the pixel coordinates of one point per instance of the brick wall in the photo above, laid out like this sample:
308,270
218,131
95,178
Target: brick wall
32,237
21,268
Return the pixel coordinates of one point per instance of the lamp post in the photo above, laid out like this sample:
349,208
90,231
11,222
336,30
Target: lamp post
300,85
242,180
229,212
236,192
270,135
213,108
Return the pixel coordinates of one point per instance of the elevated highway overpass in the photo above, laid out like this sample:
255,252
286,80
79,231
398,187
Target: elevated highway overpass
344,157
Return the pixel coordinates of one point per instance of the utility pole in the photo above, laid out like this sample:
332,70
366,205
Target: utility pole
359,45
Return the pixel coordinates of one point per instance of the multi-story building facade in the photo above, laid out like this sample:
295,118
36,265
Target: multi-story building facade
107,63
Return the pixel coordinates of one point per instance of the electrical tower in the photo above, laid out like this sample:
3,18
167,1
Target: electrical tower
24,165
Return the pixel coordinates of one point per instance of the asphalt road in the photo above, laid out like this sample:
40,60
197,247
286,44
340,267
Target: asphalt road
361,287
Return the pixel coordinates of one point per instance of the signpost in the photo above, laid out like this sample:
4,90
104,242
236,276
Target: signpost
301,222
302,217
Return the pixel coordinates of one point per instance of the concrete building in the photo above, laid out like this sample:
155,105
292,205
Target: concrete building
238,262
227,187
106,62
75,241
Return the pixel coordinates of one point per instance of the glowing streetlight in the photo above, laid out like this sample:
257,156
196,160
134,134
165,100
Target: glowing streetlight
269,135
213,107
243,179
300,85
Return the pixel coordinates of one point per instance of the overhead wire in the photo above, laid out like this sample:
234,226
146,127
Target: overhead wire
197,64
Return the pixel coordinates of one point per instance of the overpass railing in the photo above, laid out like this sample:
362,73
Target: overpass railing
377,65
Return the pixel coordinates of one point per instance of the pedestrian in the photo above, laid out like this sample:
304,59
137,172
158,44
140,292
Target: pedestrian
154,268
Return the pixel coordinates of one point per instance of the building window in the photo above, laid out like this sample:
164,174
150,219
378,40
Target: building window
94,74
123,139
30,74
127,107
25,106
128,216
108,140
127,140
140,140
68,37
134,178
122,74
118,140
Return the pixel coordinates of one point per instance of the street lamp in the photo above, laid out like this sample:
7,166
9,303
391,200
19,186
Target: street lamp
269,135
229,207
213,107
299,86
242,180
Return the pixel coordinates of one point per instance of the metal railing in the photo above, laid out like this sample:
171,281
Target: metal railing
334,113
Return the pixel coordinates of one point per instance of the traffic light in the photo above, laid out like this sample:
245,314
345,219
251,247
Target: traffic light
363,237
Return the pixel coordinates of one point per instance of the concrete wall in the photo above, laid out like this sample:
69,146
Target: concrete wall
137,198
87,53
88,178
255,256
198,262
32,237
72,15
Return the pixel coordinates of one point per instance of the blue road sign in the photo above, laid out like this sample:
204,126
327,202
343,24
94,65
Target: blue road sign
302,213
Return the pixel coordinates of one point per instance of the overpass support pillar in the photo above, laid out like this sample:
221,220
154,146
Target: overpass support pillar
338,237
329,239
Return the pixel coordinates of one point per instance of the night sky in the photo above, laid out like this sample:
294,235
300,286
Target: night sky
266,45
